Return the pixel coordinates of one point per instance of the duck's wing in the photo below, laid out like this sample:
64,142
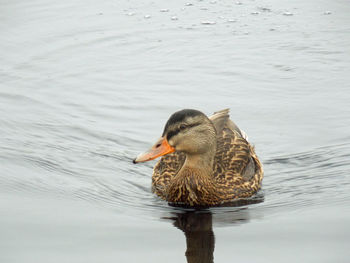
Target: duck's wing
234,162
166,168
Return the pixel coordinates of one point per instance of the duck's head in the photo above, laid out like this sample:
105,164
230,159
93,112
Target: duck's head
188,131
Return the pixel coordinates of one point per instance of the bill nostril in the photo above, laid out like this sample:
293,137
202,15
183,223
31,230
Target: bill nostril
158,145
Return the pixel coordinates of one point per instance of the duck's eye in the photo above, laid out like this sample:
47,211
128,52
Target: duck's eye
183,126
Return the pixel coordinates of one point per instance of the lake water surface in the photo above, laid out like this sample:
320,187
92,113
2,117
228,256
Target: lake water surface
87,85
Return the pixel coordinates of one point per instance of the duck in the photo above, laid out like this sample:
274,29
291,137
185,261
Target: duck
205,161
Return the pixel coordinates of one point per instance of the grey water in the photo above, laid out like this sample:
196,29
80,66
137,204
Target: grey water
87,85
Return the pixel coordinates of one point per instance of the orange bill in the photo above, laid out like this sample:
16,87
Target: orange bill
161,148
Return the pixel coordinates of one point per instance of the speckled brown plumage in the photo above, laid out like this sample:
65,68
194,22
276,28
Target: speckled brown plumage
236,173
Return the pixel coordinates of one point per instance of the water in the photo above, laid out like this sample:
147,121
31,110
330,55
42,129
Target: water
86,86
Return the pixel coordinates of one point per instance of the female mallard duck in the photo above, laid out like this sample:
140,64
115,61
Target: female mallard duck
206,162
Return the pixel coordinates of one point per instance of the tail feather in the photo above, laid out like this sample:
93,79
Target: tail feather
221,118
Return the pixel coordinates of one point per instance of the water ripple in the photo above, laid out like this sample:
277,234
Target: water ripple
316,177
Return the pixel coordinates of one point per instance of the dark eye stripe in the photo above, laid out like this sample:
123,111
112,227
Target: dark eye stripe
176,131
172,133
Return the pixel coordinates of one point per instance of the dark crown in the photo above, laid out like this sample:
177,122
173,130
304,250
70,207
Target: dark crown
180,116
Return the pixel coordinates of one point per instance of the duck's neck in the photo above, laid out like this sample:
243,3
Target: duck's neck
203,163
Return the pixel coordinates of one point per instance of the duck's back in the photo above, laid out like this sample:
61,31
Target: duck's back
236,170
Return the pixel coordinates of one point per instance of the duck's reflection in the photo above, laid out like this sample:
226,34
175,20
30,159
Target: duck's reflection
200,240
197,226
